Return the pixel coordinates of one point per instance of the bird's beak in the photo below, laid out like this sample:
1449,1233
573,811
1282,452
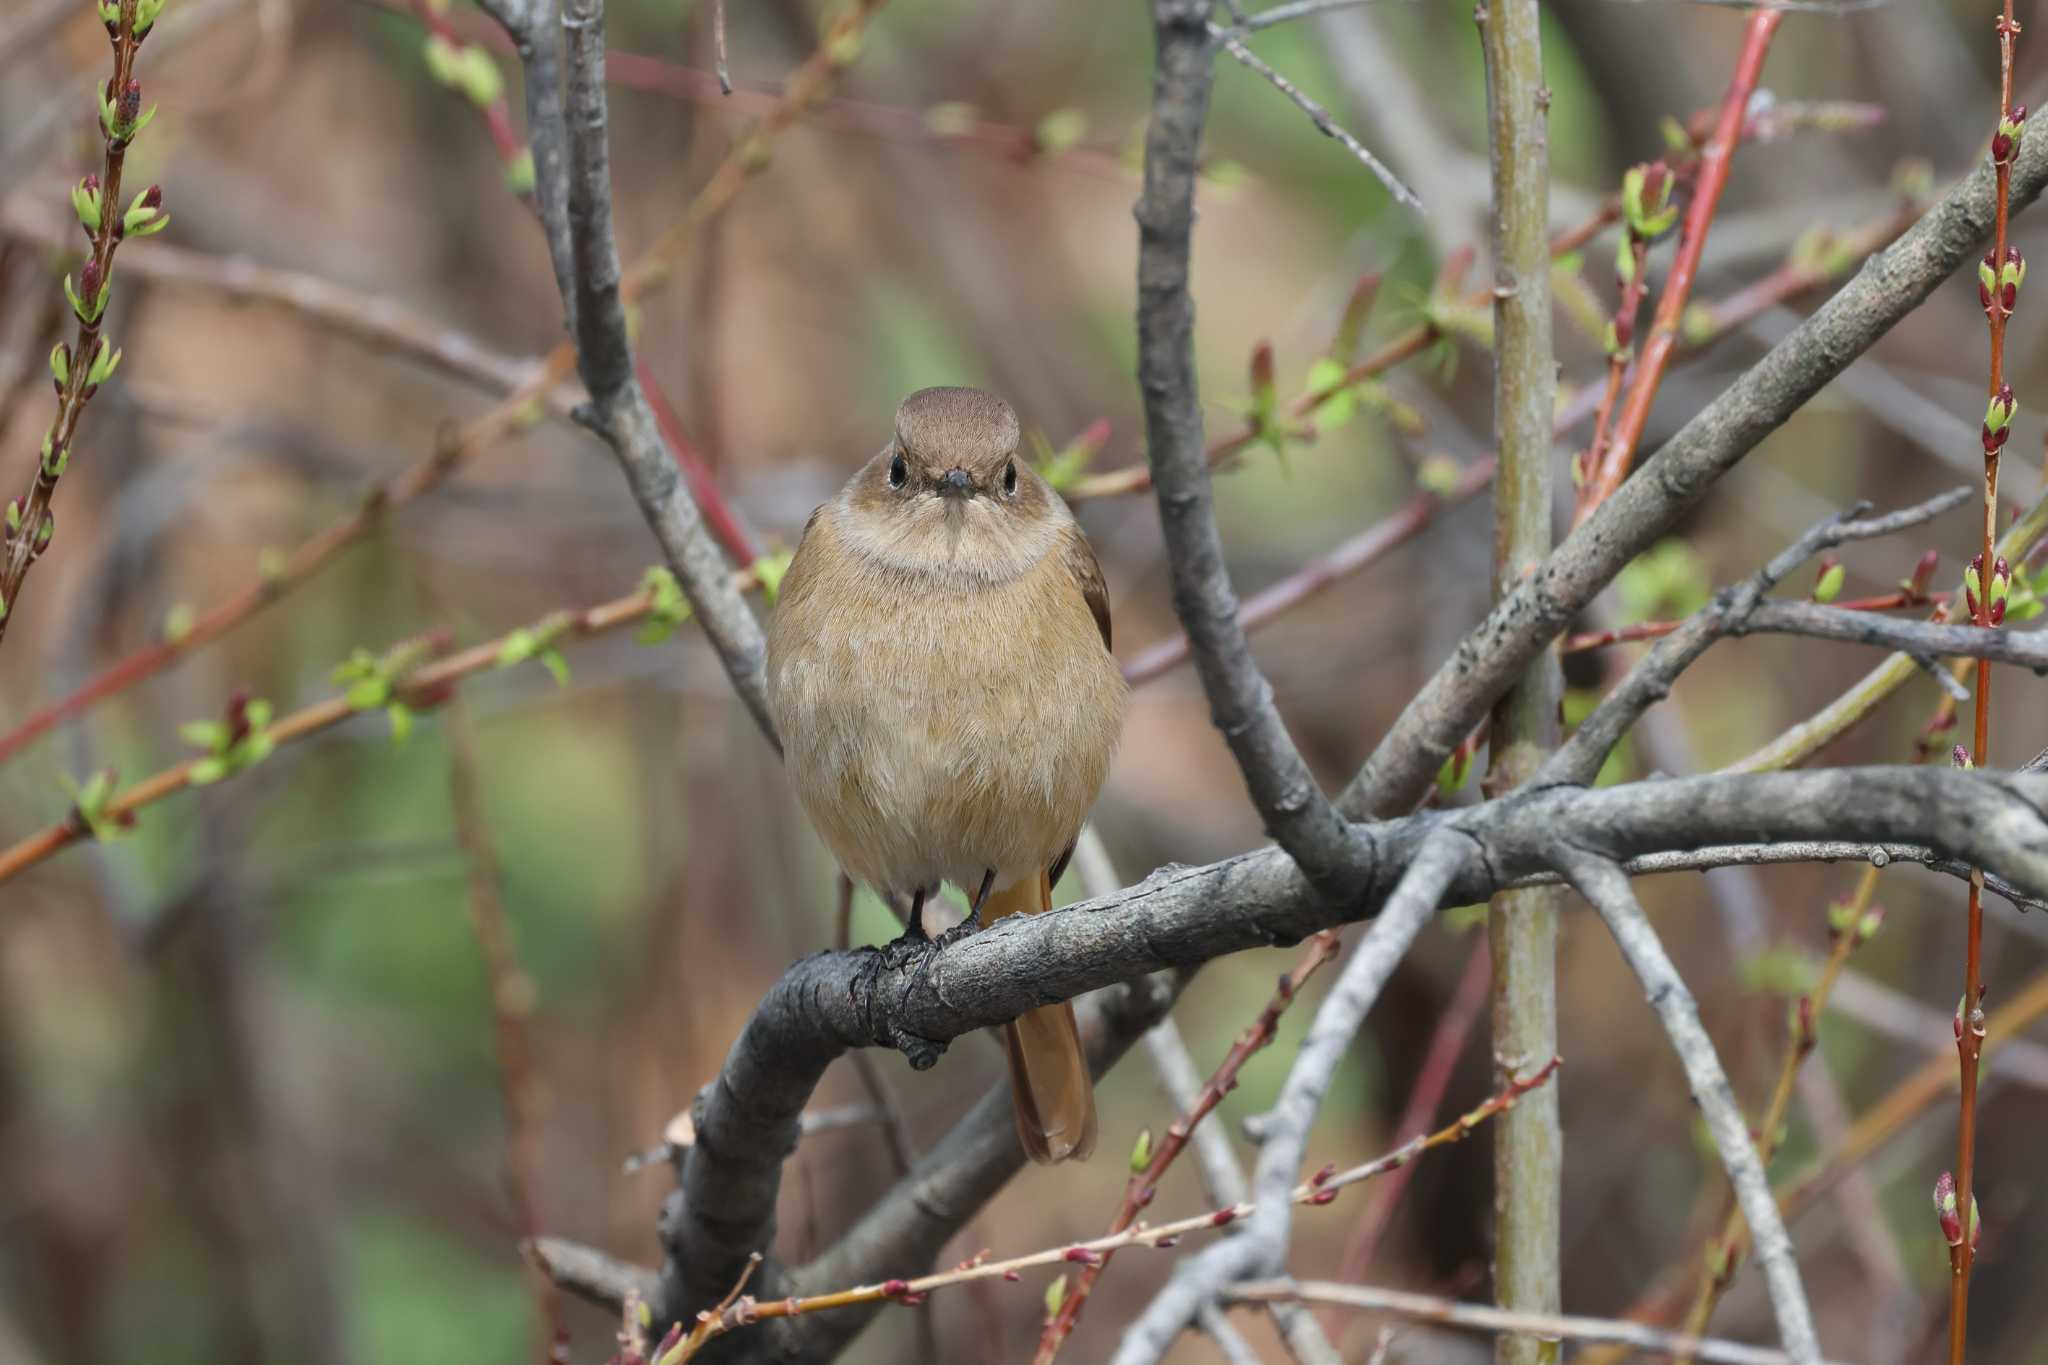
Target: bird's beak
955,483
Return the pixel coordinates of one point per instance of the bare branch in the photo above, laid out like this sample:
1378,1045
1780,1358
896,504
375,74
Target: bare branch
618,409
1890,285
1262,1247
1650,681
1479,1317
1528,1153
1296,812
1606,886
1317,115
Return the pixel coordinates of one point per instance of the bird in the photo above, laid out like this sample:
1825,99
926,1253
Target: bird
939,670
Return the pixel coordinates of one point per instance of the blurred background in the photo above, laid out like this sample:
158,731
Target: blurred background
250,1098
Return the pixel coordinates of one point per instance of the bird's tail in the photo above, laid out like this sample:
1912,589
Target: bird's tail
1049,1083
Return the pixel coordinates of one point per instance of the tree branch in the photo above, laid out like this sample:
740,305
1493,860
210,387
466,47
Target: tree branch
618,409
1733,609
1528,1153
1888,288
1479,1317
1296,812
1261,1249
1606,886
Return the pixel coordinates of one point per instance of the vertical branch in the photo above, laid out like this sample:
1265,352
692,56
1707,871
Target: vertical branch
1522,925
1986,583
1699,216
89,360
618,409
1295,810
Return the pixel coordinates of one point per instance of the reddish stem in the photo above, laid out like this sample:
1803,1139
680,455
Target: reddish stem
1446,1045
718,513
1970,1023
1699,216
1140,1188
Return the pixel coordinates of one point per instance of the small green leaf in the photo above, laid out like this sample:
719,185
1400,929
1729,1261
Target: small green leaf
770,569
178,623
1323,376
519,646
206,772
1060,130
368,693
401,721
552,659
204,734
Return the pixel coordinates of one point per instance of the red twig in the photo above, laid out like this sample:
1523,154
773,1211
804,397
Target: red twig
1969,1026
1446,1045
1144,1184
718,513
1699,216
30,525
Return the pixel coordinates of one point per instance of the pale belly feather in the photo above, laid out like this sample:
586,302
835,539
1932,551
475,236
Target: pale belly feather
931,743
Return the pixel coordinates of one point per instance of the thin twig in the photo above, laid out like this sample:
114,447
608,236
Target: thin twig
1295,811
1319,116
1480,1318
1606,886
1715,158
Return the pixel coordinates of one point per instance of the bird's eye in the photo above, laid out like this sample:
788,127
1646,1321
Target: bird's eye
898,472
1010,477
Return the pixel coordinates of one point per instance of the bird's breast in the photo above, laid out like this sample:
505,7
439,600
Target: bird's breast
936,731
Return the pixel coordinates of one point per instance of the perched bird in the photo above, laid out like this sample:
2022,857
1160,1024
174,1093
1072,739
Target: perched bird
939,668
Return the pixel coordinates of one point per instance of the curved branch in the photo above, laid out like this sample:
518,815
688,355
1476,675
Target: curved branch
1295,811
618,409
747,1120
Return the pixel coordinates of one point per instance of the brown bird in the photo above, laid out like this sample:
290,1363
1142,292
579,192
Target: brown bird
939,667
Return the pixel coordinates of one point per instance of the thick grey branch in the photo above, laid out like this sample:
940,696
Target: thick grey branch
1888,288
1296,812
1178,917
1607,887
618,410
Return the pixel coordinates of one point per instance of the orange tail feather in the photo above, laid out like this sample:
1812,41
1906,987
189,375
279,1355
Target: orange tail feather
1049,1082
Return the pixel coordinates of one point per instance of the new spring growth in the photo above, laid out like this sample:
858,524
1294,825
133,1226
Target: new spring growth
1843,919
1646,200
1804,1034
121,116
90,201
2005,143
2001,589
1998,419
1828,585
1141,1152
1923,576
1959,757
1946,1212
467,68
88,298
146,215
1998,286
146,15
1265,405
